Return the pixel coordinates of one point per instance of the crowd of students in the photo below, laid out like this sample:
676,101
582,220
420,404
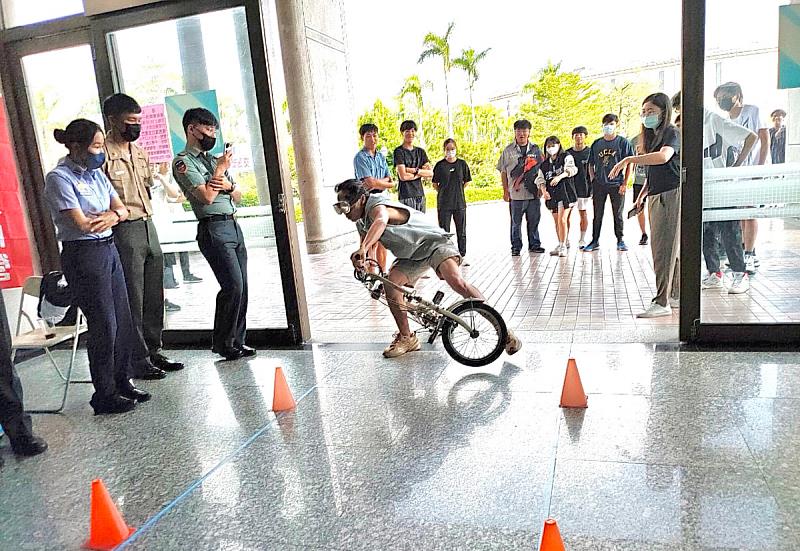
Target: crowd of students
597,173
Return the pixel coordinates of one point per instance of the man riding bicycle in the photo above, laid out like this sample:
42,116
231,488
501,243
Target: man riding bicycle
416,243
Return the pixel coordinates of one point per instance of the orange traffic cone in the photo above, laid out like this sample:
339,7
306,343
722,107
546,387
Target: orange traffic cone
551,537
572,395
282,399
107,527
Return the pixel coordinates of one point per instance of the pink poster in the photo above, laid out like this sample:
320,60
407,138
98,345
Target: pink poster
155,134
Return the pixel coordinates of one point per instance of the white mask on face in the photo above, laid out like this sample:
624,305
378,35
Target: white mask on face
552,150
450,153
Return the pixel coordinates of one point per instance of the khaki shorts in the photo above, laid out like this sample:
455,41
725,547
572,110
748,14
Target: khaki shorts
415,269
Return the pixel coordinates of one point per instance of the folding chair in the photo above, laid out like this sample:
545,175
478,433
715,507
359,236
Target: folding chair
42,337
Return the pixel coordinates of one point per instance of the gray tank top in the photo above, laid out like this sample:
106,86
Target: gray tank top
416,239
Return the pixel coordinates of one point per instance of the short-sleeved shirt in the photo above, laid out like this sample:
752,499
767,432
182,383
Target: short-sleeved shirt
581,179
69,186
509,159
365,165
750,118
604,155
777,145
719,134
129,171
451,178
193,168
416,157
666,177
640,174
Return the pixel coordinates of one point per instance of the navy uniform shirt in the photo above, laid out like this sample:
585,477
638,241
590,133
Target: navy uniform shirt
193,168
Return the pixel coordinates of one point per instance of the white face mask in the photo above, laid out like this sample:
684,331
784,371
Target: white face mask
552,150
450,153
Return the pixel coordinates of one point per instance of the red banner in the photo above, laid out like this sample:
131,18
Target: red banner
16,263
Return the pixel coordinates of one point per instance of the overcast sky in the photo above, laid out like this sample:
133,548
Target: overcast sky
385,38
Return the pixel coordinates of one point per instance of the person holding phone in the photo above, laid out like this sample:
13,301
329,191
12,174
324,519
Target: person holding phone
85,207
213,196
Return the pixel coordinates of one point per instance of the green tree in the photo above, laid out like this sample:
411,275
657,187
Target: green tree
439,46
468,62
415,88
558,101
388,122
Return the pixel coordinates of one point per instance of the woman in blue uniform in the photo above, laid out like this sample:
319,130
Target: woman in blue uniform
85,207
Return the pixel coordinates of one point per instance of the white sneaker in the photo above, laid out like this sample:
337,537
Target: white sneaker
750,263
401,345
655,310
674,302
556,251
741,283
712,281
513,344
581,244
562,251
756,261
568,244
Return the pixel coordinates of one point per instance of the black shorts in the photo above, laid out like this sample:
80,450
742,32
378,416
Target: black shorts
637,189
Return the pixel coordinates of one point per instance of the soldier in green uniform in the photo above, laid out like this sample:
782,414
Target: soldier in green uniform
213,195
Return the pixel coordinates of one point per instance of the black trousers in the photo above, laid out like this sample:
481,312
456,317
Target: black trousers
15,422
599,194
222,244
459,216
143,263
94,273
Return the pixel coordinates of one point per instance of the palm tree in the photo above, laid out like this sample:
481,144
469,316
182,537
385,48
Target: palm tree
414,87
439,46
468,62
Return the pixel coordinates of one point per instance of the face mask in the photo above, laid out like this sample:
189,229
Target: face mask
207,143
451,154
651,121
552,150
609,129
726,104
95,160
131,132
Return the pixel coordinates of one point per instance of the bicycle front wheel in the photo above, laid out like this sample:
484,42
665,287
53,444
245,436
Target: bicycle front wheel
486,340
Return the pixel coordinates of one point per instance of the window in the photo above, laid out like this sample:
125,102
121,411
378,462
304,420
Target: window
24,12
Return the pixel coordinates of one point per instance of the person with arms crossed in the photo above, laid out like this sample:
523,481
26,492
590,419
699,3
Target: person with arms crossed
412,166
213,196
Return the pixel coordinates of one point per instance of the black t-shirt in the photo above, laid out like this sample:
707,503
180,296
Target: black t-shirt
661,178
581,179
451,178
411,158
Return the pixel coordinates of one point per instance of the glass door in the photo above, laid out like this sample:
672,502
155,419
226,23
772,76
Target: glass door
170,63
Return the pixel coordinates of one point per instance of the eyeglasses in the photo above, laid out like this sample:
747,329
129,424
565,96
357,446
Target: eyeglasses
649,112
342,207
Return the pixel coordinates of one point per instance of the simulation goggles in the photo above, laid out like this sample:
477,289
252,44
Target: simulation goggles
342,207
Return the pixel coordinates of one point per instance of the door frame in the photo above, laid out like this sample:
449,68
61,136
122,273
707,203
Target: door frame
691,327
79,30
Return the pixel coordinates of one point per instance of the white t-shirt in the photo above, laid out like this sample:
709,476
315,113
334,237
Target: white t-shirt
750,118
719,134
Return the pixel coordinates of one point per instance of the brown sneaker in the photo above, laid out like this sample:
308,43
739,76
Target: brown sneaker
513,344
400,345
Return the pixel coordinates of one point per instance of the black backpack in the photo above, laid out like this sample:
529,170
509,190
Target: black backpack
56,303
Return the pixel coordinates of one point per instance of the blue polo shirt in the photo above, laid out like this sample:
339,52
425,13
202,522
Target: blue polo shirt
69,186
365,165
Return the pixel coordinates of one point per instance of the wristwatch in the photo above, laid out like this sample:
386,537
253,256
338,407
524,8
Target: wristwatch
117,212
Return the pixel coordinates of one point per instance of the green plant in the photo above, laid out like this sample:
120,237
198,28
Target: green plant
439,46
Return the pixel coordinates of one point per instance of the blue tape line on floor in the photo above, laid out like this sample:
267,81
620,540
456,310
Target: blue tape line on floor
194,485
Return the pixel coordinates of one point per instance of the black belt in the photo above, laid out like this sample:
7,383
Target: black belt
216,218
142,219
89,242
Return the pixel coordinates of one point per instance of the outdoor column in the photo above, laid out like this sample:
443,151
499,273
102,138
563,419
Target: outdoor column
324,133
793,123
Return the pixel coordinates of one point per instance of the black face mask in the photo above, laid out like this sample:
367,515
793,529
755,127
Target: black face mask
207,143
131,132
726,104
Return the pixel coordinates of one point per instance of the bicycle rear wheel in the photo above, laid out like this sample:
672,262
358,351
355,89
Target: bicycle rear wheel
484,344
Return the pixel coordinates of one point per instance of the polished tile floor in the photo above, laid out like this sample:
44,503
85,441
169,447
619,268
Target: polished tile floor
678,450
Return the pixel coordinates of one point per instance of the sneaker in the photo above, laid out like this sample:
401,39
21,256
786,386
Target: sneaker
621,246
513,344
191,278
562,251
674,302
556,251
514,253
581,244
171,306
655,310
401,345
740,284
568,244
712,281
750,263
643,240
756,261
591,247
538,250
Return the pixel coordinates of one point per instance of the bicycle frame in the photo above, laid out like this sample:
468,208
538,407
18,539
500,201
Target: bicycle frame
410,295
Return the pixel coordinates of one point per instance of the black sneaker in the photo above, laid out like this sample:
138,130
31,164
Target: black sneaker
537,250
643,240
171,306
191,278
514,253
